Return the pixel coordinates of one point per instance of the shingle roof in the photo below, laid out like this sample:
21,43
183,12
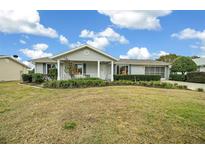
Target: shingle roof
43,60
199,61
141,62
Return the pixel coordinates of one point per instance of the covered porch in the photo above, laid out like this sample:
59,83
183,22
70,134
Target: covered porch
99,69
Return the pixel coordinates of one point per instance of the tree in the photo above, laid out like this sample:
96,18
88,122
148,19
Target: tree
170,58
183,65
70,68
53,73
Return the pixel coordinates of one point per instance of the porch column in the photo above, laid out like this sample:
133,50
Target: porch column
98,69
112,69
46,68
59,76
35,68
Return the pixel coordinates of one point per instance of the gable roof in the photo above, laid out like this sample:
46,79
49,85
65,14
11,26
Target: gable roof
199,61
43,60
17,61
142,62
85,46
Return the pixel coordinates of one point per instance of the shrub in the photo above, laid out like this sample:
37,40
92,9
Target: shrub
198,77
27,78
138,77
200,89
88,78
177,77
155,84
53,73
76,83
181,87
69,125
38,78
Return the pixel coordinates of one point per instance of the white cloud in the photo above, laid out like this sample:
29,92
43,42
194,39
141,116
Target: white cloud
142,53
99,42
24,21
136,19
137,53
188,34
37,51
74,45
162,53
22,41
40,46
102,39
63,40
113,36
157,54
87,34
29,64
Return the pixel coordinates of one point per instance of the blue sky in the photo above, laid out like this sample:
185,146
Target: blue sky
125,34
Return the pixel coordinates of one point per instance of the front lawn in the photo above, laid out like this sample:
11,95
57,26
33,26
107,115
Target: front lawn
124,114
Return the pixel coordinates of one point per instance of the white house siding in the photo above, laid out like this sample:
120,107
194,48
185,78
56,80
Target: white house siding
39,68
105,72
91,69
85,55
137,69
167,72
202,68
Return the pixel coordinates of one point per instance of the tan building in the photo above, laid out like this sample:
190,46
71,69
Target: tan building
11,69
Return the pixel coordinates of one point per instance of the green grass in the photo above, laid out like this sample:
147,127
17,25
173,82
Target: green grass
70,125
118,114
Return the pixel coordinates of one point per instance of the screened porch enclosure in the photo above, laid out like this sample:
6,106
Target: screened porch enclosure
155,70
128,69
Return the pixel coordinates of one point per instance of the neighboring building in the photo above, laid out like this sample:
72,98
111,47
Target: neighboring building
200,62
92,62
11,69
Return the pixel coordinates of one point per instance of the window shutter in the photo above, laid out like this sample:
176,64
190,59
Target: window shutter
84,69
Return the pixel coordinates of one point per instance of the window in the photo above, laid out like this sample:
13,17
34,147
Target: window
48,68
155,71
122,69
79,69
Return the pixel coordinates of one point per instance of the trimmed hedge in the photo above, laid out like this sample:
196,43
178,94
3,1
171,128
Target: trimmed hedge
177,77
76,83
138,77
38,78
198,77
27,78
84,83
88,78
155,84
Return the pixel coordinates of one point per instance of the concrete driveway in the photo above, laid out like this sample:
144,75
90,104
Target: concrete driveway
190,85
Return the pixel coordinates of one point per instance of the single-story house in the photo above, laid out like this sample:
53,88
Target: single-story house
200,62
92,62
11,69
